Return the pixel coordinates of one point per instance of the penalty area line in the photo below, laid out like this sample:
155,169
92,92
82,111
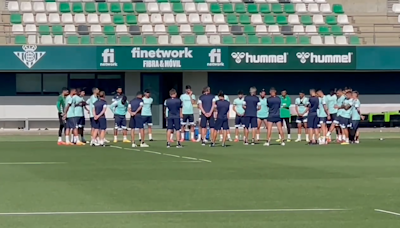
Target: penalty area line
169,212
32,163
387,212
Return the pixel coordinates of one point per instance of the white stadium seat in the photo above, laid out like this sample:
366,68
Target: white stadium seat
261,29
92,18
301,8
341,40
66,18
32,39
169,18
313,8
105,18
293,19
143,18
30,29
274,29
223,29
176,40
147,29
316,40
96,29
80,18
202,39
318,19
194,18
160,29
298,29
219,19
311,29
206,18
342,19
39,7
41,18
153,7
156,18
190,7
28,18
121,29
211,29
215,39
163,39
325,8
46,39
348,29
165,7
256,19
17,29
26,7
51,7
329,40
181,18
54,18
396,8
13,6
185,29
202,8
69,29
58,39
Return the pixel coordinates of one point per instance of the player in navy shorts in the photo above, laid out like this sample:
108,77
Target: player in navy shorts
100,121
174,106
206,105
136,121
222,109
312,118
274,117
251,106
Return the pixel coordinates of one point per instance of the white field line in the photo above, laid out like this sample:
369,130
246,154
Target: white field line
387,212
171,212
31,163
165,154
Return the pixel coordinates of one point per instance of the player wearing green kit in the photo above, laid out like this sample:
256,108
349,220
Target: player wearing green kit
79,113
285,113
345,117
91,101
147,114
226,98
262,114
356,117
61,103
120,108
339,102
188,100
331,100
239,110
323,115
69,115
301,109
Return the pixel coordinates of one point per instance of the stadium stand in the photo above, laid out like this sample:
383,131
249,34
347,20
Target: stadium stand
175,22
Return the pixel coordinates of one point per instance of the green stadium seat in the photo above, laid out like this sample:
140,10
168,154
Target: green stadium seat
324,31
279,40
249,30
336,30
90,7
331,20
265,9
253,39
252,8
199,1
175,1
73,40
162,1
118,19
99,40
190,39
131,19
355,40
111,40
215,8
77,7
57,30
266,40
138,40
86,40
140,7
244,19
289,8
227,40
227,8
241,40
115,7
291,40
173,30
109,30
232,19
20,40
269,20
64,7
127,7
240,8
338,9
44,30
281,20
277,8
306,20
50,0
16,19
304,40
178,8
198,30
102,7
125,40
151,40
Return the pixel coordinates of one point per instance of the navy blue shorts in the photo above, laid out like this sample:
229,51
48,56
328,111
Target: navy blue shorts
204,120
323,120
344,122
120,122
355,124
274,119
187,118
71,123
250,122
239,121
92,122
136,122
80,121
262,118
100,124
174,124
301,119
147,120
221,124
335,118
312,121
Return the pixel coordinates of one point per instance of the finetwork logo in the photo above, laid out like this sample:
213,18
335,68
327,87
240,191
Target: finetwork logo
29,56
159,58
249,58
215,57
313,58
108,58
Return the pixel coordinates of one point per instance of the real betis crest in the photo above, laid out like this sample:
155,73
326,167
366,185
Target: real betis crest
29,56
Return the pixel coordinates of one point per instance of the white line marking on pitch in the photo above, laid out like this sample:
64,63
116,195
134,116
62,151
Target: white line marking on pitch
118,147
131,149
153,152
31,163
172,155
171,212
387,212
189,158
204,160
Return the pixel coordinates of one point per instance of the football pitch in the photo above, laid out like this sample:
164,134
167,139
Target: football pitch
43,185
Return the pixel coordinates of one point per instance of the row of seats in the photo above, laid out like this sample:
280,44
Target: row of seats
132,19
176,40
182,29
240,8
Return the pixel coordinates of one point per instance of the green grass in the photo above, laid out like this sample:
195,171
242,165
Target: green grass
359,178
